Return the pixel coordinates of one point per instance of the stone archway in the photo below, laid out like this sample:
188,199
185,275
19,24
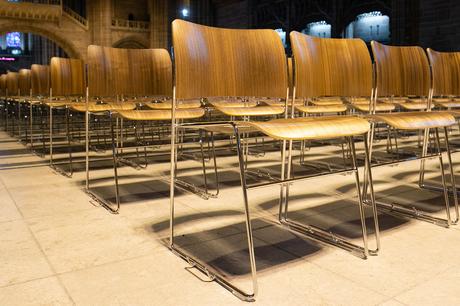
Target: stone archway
132,42
53,32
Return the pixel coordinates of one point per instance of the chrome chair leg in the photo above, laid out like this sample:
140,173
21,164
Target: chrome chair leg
108,205
323,236
404,211
452,177
211,273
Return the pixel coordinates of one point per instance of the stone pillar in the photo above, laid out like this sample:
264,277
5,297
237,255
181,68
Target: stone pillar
100,18
159,23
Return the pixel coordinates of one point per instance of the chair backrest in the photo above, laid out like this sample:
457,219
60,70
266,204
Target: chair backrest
3,84
331,67
445,69
39,78
134,72
24,82
401,71
290,74
67,76
211,62
12,83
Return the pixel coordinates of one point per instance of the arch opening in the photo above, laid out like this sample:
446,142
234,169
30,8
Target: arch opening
19,50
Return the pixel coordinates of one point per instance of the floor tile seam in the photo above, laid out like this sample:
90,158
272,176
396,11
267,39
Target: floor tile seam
362,285
41,250
12,220
63,273
26,281
392,299
57,214
51,265
426,280
12,198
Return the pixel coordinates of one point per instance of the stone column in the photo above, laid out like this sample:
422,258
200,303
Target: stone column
100,18
159,23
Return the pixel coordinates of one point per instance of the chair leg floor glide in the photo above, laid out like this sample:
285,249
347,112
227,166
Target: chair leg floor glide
401,210
108,205
327,237
206,269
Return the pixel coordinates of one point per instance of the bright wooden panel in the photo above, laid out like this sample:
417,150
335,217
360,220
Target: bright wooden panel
331,67
213,62
445,67
24,82
12,83
67,76
40,76
401,71
129,72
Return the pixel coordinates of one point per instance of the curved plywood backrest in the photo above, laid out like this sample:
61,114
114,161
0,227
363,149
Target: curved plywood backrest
445,68
290,74
225,62
137,72
24,82
331,67
39,77
401,71
67,76
3,84
12,83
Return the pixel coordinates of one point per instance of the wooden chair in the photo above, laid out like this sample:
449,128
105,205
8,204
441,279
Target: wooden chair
404,71
3,94
215,62
131,77
12,92
67,89
40,89
327,67
445,68
24,91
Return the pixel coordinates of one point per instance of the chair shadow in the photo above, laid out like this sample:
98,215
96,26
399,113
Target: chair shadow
230,254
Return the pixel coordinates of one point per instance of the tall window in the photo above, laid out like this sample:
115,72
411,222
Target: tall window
318,28
13,40
282,35
369,26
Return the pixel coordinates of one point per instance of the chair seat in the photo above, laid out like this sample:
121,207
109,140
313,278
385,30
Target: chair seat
415,120
58,103
442,100
327,101
392,100
379,107
180,105
454,113
298,102
313,128
451,104
358,100
413,106
252,111
227,129
103,107
156,115
233,104
319,109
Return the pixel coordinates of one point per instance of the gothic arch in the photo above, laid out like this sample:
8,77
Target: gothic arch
63,42
132,42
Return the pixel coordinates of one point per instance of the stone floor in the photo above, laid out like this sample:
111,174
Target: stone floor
60,248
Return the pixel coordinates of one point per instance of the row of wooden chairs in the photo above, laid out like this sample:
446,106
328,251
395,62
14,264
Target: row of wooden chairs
213,62
243,76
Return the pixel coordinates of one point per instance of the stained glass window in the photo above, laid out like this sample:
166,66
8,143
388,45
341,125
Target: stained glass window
13,40
282,35
319,28
370,26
